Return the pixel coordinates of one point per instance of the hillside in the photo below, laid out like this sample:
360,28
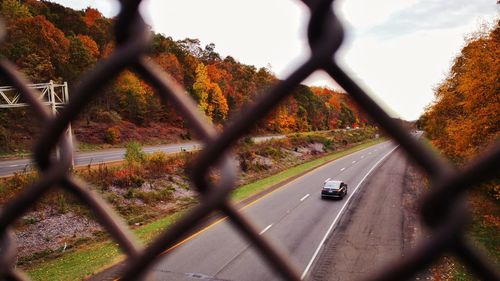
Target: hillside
50,42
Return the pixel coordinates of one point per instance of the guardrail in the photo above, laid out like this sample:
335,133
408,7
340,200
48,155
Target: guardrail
443,210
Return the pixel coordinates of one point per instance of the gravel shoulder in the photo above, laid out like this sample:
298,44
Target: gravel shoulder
381,225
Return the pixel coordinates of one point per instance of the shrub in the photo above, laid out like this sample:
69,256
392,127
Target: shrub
273,152
156,163
112,135
109,117
248,140
62,204
27,220
126,177
12,185
164,194
328,143
134,155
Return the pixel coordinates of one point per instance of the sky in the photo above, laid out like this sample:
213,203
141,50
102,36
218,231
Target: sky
398,51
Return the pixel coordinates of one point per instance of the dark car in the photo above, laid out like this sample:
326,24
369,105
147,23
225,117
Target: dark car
334,189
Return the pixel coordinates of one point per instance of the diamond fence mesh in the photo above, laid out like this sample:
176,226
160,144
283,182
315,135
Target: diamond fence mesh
443,209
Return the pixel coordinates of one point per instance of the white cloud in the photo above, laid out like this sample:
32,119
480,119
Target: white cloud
257,32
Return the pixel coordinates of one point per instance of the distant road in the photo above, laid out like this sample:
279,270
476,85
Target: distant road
9,167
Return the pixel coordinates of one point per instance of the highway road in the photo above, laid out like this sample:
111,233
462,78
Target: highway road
9,167
293,217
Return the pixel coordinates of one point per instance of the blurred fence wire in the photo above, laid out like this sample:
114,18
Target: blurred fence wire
443,209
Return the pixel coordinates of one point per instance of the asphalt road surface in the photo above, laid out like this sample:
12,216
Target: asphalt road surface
381,225
293,217
9,167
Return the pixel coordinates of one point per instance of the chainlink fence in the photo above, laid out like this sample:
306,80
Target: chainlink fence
443,209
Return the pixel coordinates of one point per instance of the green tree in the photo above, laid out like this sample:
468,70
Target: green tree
81,57
13,9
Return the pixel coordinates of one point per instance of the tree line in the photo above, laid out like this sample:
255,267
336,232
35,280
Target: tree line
50,42
464,117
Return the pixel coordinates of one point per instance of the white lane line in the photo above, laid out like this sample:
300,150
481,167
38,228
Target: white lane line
305,197
338,215
342,169
353,162
362,156
265,229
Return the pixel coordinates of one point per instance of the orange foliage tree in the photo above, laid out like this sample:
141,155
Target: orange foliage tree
464,118
37,46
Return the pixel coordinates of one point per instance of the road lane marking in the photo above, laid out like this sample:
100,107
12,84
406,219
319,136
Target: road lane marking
252,203
265,229
342,169
353,162
193,235
339,213
362,156
305,197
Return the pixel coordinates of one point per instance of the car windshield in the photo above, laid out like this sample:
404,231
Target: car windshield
332,185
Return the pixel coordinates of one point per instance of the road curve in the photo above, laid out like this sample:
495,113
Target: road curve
293,217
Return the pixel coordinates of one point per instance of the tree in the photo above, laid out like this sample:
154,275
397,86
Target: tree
464,117
83,53
66,19
217,104
13,9
171,65
37,37
132,97
90,45
209,55
191,46
209,96
91,16
201,87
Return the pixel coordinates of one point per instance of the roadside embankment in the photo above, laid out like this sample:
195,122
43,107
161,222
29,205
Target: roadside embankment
147,188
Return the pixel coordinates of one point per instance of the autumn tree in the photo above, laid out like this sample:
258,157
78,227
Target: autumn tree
217,104
66,19
99,27
209,96
83,54
37,46
14,9
464,118
170,64
131,96
201,87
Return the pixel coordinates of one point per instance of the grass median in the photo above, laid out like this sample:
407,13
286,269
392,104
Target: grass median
94,257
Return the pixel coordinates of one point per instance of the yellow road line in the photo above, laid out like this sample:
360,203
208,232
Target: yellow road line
254,202
249,204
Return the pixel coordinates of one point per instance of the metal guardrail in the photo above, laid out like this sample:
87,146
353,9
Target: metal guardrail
443,209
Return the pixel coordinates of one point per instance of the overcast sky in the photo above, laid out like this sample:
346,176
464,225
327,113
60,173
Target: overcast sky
397,50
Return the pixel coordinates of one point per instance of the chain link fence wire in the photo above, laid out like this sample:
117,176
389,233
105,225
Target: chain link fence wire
443,210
